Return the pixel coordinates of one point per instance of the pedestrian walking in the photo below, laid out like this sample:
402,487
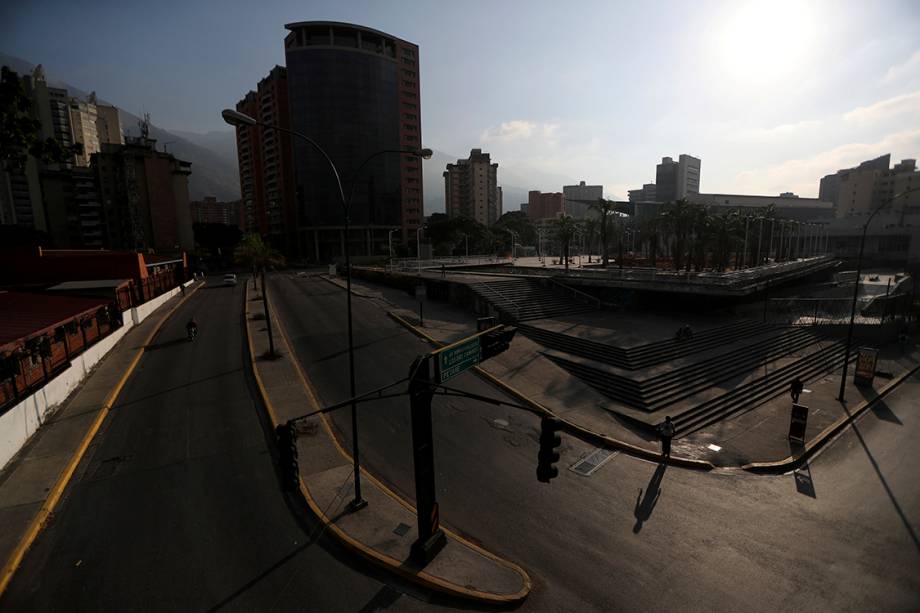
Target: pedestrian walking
666,432
795,389
443,271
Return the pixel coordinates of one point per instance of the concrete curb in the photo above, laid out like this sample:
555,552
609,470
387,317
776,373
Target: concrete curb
54,495
535,407
388,563
828,434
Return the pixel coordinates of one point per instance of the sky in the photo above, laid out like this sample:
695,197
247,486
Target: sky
770,95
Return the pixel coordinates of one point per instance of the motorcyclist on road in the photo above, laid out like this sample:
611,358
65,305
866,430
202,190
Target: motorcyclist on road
191,328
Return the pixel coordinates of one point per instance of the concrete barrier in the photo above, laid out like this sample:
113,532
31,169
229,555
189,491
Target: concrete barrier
21,421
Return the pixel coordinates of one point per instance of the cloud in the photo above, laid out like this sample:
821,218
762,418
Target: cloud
803,175
780,132
885,109
905,70
515,129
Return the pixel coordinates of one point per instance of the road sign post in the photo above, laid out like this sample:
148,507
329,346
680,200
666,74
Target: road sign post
421,292
797,423
866,362
446,362
430,537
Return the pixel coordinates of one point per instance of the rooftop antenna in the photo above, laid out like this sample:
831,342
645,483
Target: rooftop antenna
144,125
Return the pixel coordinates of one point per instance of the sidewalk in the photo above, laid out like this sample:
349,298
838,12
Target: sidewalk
758,435
385,529
33,481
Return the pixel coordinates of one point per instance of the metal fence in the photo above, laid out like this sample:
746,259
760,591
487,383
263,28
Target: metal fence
872,310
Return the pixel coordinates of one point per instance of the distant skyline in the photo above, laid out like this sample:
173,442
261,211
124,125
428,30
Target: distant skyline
770,95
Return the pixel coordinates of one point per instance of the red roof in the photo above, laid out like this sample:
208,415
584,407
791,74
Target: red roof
23,315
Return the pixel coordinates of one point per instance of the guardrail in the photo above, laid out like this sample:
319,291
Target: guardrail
413,264
504,299
577,293
730,280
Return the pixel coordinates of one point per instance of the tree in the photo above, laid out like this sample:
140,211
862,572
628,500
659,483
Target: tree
254,253
565,227
20,132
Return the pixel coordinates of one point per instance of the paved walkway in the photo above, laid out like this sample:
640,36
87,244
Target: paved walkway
756,435
33,481
385,529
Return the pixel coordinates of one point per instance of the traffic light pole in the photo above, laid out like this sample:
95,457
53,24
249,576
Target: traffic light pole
430,537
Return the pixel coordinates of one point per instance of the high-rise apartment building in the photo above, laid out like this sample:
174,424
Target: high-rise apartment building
355,91
471,188
144,195
266,163
545,205
576,195
211,210
676,180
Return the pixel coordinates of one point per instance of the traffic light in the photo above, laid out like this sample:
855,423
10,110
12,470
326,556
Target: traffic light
287,451
549,441
494,342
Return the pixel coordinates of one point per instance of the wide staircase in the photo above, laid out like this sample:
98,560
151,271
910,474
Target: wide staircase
761,390
524,299
676,385
805,353
643,356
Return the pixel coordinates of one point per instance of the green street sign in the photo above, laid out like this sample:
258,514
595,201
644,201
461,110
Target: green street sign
454,359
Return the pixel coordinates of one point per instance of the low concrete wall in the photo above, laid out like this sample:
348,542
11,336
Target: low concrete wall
21,421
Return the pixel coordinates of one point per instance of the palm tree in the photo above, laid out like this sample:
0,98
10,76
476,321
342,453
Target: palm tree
565,227
678,218
604,208
254,253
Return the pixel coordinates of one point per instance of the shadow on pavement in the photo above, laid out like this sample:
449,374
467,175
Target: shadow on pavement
165,344
803,482
884,412
178,387
645,506
884,482
381,600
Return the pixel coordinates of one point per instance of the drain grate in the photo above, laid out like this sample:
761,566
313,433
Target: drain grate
592,461
401,529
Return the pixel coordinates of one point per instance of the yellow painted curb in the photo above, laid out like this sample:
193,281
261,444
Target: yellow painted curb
542,410
830,431
421,577
54,495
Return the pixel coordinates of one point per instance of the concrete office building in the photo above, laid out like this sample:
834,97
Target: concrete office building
355,91
647,193
676,180
572,193
829,187
786,207
471,188
545,205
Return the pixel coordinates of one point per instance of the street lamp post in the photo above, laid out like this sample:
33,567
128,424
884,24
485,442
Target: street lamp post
418,248
237,119
390,240
841,396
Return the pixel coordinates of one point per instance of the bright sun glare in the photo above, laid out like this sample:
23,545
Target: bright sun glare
762,42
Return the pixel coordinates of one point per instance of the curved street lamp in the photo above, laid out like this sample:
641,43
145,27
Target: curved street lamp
237,119
841,396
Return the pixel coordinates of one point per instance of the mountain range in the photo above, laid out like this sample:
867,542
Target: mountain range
215,168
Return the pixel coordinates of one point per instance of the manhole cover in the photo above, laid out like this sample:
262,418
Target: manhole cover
592,461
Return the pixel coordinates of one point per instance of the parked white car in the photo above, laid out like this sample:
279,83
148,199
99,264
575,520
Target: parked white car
229,279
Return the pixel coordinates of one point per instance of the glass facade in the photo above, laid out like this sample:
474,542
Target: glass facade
346,99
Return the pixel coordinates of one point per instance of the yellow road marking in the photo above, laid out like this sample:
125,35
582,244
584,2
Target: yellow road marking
373,555
54,495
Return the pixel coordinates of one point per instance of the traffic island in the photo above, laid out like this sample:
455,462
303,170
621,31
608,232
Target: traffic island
384,531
